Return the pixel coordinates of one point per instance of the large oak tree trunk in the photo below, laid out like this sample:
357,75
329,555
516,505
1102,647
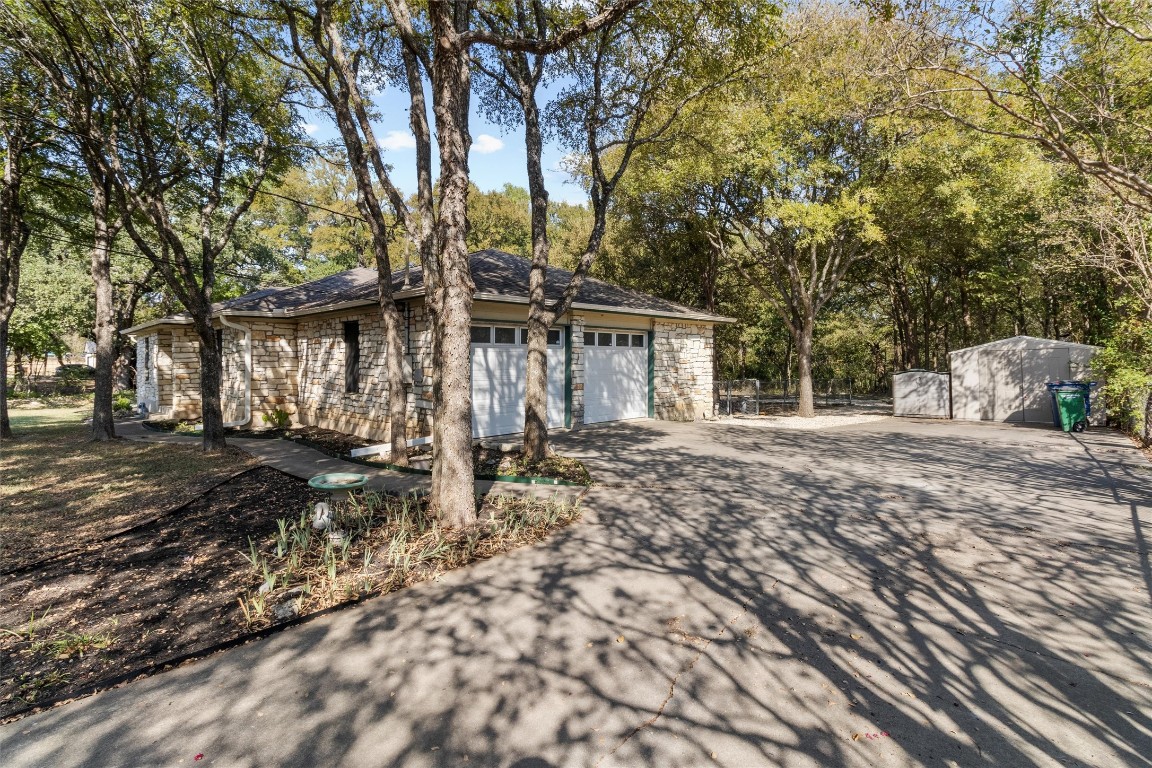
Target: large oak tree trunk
5,424
806,407
389,313
360,143
394,352
1146,438
453,496
103,423
539,318
14,234
211,373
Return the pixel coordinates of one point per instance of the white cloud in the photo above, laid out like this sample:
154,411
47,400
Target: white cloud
486,145
398,140
310,128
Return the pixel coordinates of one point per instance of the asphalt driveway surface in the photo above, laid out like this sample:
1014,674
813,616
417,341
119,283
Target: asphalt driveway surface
889,594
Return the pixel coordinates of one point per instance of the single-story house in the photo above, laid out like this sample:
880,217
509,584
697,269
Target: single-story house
1004,380
316,352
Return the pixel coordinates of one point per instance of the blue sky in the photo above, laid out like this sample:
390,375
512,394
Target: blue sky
497,157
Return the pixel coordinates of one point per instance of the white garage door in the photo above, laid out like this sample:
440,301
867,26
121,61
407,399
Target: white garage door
499,379
615,375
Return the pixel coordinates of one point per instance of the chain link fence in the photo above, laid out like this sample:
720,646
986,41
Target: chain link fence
759,396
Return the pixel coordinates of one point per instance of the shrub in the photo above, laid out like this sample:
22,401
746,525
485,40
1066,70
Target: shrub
1125,363
124,401
278,419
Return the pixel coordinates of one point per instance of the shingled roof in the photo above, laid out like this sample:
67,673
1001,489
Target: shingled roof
498,276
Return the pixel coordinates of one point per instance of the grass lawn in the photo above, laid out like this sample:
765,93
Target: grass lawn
60,491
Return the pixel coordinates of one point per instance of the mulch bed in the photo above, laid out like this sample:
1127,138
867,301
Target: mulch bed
492,461
488,461
155,593
330,441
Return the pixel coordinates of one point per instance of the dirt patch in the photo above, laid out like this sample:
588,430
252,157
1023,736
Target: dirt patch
157,593
61,490
243,557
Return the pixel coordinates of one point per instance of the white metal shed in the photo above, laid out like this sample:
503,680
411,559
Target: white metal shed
1004,380
921,393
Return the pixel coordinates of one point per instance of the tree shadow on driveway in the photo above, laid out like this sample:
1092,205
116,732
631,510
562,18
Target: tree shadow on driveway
890,595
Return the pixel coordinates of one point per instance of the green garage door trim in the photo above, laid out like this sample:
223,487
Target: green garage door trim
568,377
651,375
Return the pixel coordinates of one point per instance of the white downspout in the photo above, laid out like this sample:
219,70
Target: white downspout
247,371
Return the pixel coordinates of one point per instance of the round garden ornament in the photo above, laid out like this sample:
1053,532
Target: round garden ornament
338,481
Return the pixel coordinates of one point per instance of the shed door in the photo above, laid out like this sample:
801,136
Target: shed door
1040,366
499,379
1001,387
615,375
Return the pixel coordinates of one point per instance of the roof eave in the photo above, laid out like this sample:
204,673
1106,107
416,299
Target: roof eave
276,314
273,314
587,307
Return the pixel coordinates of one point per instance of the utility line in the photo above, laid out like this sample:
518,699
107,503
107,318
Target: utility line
82,244
351,216
259,190
132,254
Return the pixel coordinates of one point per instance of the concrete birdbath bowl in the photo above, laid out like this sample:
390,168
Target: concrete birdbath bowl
338,483
340,486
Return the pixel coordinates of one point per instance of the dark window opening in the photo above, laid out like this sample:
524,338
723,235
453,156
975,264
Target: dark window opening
637,339
352,356
554,337
605,339
505,335
481,334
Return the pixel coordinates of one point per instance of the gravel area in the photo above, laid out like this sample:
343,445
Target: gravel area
819,421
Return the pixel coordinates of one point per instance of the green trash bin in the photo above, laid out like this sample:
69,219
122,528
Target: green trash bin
1073,415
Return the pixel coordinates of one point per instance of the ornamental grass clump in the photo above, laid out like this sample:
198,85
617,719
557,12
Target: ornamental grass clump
377,544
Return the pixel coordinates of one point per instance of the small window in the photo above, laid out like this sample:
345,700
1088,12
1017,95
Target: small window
637,339
555,338
352,356
621,339
220,340
505,335
523,335
481,334
603,339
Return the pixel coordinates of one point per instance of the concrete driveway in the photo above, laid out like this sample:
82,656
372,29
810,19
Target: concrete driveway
897,593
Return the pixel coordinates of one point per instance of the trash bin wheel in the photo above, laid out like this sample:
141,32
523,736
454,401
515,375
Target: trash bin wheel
1080,426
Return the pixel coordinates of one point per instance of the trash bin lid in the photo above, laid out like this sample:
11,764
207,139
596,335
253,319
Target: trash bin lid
1070,386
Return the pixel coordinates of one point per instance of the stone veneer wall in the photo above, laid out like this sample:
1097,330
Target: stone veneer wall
683,371
300,369
275,379
175,391
321,399
163,372
232,374
184,373
419,373
576,350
